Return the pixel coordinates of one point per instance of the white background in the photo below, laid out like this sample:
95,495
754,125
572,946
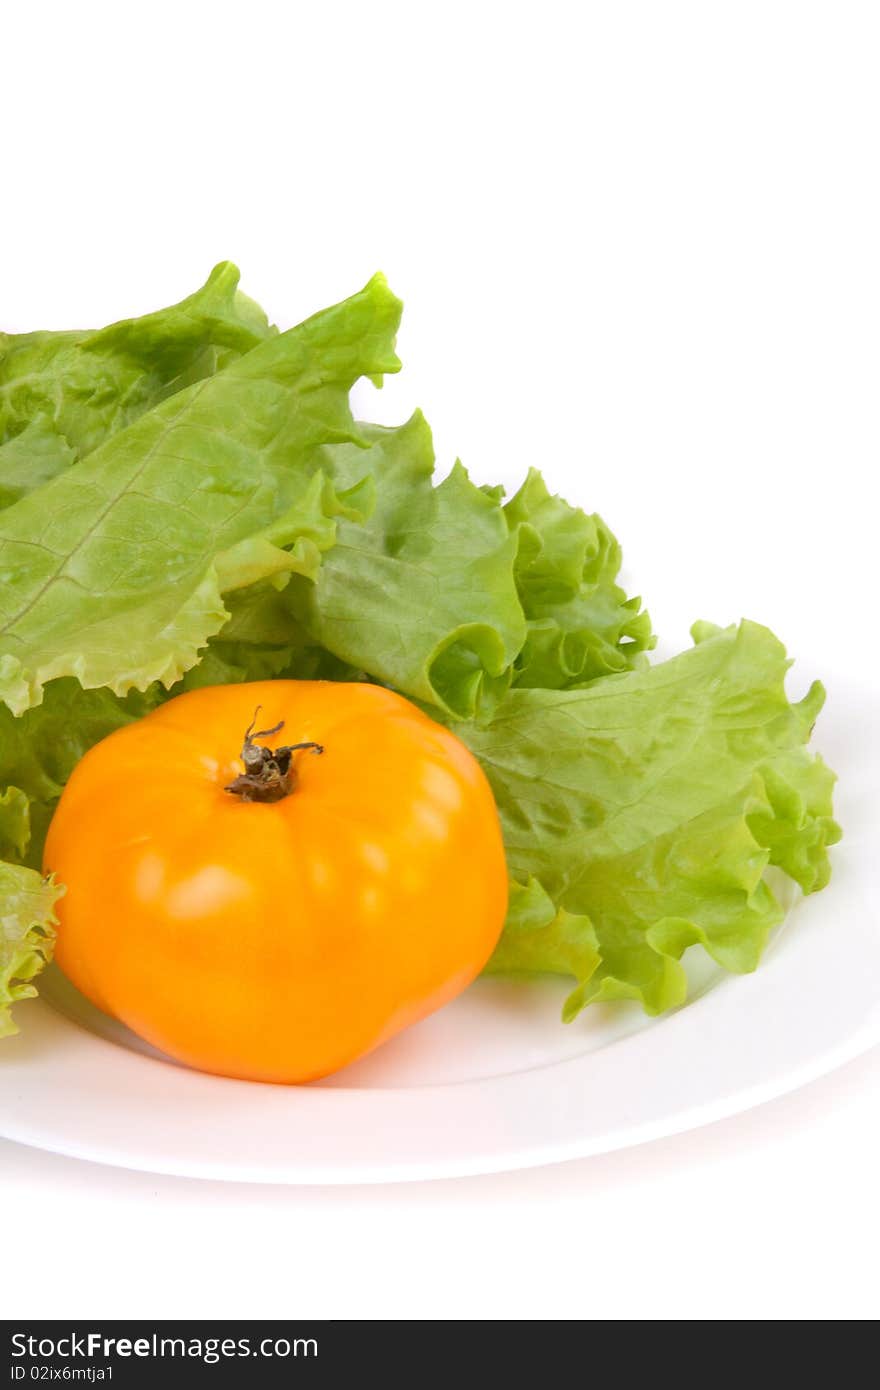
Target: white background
639,248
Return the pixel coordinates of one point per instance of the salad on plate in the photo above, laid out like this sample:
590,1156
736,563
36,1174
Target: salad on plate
296,740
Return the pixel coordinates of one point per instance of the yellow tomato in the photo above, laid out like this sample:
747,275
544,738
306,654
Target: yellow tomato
270,914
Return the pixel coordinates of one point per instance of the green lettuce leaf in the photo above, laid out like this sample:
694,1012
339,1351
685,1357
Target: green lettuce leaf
641,813
64,394
40,749
32,458
15,823
449,597
262,641
422,595
581,625
540,938
114,571
27,935
797,825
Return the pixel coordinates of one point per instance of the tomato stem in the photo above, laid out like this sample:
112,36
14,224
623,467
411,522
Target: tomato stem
269,773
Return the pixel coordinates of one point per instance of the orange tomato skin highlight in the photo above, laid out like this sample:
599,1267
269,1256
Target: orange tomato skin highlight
277,941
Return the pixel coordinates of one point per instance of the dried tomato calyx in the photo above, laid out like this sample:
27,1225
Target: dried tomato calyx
269,773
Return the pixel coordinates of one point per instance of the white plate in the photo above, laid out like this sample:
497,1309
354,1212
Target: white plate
494,1081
